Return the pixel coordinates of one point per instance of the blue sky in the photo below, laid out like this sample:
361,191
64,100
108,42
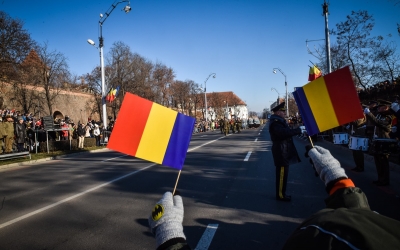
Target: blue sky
239,40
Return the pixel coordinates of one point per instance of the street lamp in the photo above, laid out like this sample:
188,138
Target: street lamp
205,93
127,8
287,100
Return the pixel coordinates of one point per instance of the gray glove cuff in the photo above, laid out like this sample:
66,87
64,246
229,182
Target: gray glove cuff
326,165
167,231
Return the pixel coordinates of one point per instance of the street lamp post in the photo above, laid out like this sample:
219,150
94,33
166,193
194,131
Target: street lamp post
127,8
205,91
287,100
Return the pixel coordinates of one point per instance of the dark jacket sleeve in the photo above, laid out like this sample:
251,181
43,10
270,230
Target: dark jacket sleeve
281,132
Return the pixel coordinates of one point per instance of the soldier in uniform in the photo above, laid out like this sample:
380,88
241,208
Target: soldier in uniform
9,129
232,125
221,125
383,123
283,150
226,126
238,124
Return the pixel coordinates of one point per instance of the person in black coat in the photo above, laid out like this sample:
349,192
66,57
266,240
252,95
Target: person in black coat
283,149
20,134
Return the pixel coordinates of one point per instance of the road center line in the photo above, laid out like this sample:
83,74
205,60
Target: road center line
206,238
247,156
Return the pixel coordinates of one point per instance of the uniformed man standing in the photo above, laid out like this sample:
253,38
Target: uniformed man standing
283,149
9,129
238,124
221,125
383,124
358,129
226,126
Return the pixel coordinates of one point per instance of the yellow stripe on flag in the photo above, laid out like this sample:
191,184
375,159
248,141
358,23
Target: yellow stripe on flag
320,104
156,134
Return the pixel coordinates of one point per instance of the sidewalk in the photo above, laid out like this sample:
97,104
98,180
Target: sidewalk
33,162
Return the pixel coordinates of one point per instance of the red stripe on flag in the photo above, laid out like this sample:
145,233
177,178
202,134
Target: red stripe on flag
343,95
130,124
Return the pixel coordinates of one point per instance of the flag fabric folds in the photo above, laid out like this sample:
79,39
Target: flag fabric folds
112,94
152,132
314,73
328,101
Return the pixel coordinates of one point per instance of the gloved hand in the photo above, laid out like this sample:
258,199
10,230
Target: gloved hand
326,165
366,111
348,127
395,107
166,218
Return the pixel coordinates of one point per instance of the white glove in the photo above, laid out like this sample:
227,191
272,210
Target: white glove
166,218
366,111
395,106
348,127
326,165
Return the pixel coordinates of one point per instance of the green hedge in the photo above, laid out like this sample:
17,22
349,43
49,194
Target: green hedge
64,145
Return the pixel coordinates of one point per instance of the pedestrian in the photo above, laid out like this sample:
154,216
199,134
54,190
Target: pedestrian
96,133
81,135
347,222
20,134
9,134
65,130
283,150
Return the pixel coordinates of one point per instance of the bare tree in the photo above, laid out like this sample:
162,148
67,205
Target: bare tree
388,60
353,36
15,44
51,75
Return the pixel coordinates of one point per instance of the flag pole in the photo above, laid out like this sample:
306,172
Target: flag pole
177,179
311,141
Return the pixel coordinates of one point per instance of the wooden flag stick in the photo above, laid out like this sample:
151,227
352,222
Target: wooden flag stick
311,141
176,184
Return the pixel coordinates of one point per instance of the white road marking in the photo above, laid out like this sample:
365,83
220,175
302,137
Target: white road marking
206,238
87,191
70,198
255,139
248,156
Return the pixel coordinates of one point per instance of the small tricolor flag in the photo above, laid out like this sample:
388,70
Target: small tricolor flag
152,132
328,101
314,73
112,94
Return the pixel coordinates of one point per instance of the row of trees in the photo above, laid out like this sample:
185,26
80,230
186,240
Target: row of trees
38,75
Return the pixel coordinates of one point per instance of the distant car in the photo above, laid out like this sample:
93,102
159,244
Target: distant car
256,123
250,122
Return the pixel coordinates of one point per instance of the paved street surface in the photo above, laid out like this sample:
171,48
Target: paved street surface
102,200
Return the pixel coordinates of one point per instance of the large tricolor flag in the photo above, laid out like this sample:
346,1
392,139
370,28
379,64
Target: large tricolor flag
314,73
328,101
152,132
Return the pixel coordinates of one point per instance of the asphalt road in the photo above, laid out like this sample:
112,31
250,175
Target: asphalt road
102,200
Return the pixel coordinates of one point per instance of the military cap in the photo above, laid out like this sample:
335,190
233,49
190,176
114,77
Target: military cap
280,107
384,103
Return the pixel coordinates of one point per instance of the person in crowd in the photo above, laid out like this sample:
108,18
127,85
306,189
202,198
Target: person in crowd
283,150
20,134
65,131
30,135
226,126
347,222
383,123
357,128
81,135
87,129
96,133
2,134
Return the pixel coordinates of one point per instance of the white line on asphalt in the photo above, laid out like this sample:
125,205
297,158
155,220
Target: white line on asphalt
88,191
70,198
247,156
208,235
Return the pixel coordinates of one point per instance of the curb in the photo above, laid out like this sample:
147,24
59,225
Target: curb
33,162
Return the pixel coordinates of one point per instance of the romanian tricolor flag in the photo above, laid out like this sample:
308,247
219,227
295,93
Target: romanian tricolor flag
112,94
152,132
328,101
314,73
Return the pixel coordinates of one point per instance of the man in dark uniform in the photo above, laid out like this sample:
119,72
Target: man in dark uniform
383,124
226,126
283,149
357,128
